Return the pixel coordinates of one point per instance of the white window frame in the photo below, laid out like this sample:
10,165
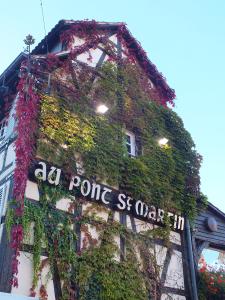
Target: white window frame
130,143
4,193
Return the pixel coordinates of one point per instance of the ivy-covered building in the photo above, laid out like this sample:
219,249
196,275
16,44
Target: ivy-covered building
99,180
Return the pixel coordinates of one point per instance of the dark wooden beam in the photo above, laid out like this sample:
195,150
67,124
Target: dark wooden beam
6,254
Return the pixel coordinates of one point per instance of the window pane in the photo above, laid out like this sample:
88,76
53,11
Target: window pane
130,143
128,139
129,149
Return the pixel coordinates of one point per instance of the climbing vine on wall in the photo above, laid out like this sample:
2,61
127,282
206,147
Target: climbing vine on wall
166,177
94,268
73,136
27,109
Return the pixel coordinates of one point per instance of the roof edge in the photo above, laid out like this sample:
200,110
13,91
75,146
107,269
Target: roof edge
15,64
216,210
156,77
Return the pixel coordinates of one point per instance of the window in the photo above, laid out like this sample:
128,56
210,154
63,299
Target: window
130,143
2,129
4,193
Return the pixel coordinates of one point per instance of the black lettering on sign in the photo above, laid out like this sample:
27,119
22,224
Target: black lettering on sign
104,195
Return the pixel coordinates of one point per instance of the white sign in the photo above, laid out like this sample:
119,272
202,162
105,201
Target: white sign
107,196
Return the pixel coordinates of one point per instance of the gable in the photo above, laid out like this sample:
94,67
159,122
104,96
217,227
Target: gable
210,227
106,36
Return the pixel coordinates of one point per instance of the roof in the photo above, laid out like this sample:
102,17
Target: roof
216,210
159,81
62,25
13,67
209,228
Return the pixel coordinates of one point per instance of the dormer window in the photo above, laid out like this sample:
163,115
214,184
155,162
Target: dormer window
130,143
2,129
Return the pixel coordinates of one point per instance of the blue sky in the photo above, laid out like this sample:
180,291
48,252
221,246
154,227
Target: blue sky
185,39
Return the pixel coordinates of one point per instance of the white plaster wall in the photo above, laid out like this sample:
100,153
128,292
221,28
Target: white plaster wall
172,297
160,255
175,276
117,242
92,230
90,210
129,224
142,226
95,54
64,204
116,217
32,191
2,154
113,39
175,238
138,256
11,155
25,276
7,173
78,42
29,236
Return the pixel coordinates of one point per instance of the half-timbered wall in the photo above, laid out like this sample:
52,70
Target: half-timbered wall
169,260
7,166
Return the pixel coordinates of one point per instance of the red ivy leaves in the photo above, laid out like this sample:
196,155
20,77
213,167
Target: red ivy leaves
26,116
81,29
43,293
92,34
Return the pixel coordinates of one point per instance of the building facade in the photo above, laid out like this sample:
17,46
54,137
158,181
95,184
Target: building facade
98,177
